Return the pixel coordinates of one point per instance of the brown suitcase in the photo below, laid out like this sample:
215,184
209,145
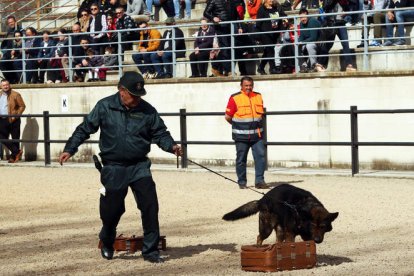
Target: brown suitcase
133,244
279,256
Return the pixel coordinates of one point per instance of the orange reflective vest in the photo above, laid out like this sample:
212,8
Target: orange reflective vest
247,121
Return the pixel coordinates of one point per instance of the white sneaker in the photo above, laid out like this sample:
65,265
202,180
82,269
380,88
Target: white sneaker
57,81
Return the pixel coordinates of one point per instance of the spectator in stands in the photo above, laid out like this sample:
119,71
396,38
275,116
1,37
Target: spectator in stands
75,39
110,22
375,17
45,54
5,63
202,46
110,58
253,7
309,36
340,31
84,20
13,56
98,28
124,22
32,45
218,12
167,6
162,59
178,4
94,63
81,60
399,17
269,33
59,61
86,5
149,41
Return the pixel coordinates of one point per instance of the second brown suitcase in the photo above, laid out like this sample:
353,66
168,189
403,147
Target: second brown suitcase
279,256
133,244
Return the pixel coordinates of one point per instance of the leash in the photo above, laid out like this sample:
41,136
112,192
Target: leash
229,179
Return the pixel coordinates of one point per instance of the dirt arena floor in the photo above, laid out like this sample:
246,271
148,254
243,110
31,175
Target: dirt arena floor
49,224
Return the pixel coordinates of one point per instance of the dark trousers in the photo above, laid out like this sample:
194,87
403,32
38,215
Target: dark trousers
10,129
199,69
223,37
112,206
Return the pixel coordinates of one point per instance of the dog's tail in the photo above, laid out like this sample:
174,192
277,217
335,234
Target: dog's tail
243,211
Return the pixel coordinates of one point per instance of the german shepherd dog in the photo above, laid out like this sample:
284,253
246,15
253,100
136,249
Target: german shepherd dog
290,211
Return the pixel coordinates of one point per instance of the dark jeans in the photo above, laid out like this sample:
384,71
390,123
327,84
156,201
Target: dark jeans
199,69
112,206
143,61
10,129
162,64
258,150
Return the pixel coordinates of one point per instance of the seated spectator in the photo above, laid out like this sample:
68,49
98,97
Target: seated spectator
162,59
202,47
398,17
124,22
376,17
94,64
85,5
32,45
309,36
45,55
13,55
285,56
55,73
269,33
98,28
80,61
84,20
110,58
110,22
149,41
6,65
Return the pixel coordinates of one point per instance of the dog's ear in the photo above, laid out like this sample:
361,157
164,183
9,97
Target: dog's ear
332,216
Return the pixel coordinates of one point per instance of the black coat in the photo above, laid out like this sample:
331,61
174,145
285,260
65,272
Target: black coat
206,41
179,42
270,25
226,10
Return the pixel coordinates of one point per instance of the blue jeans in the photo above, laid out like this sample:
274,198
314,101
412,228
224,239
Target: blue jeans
187,8
166,58
400,18
258,150
167,6
342,34
142,60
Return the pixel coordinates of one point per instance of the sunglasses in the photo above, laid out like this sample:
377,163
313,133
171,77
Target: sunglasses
118,13
84,14
94,9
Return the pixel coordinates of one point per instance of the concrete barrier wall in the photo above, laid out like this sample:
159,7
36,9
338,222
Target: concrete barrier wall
333,93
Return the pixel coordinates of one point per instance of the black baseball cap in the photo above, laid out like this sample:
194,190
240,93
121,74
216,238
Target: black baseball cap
134,83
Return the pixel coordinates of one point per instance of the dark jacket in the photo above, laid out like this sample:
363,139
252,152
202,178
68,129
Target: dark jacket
275,24
126,135
206,41
179,42
47,52
32,45
126,23
226,10
307,35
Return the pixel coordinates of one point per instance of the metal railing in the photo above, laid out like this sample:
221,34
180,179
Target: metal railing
353,141
233,36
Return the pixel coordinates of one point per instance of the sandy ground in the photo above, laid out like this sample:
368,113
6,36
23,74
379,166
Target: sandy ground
49,224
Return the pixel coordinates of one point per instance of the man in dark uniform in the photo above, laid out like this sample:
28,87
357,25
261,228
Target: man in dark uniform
128,126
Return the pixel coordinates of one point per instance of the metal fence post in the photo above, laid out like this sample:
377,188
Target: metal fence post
46,131
354,140
265,139
183,136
